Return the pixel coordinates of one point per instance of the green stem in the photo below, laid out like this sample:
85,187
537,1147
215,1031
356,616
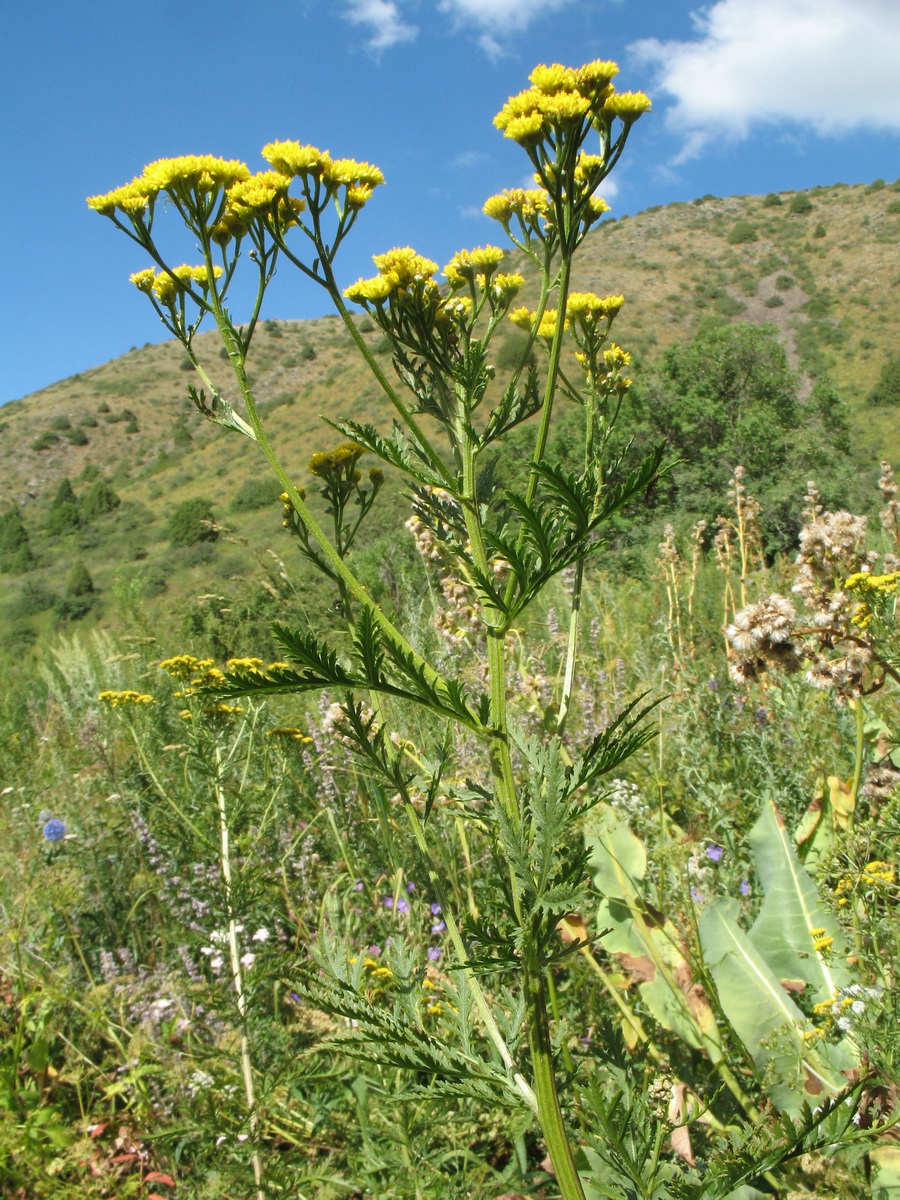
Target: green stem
860,713
549,1110
236,970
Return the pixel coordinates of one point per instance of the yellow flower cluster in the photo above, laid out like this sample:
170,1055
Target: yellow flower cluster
588,307
289,734
359,179
123,699
528,205
326,462
467,265
167,286
245,664
199,173
878,872
872,589
182,666
400,271
821,940
562,98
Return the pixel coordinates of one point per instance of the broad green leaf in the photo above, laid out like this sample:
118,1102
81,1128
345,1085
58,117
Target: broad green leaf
764,1018
645,943
791,910
886,1171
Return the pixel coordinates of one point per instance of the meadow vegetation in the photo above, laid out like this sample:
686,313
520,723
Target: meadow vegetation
490,845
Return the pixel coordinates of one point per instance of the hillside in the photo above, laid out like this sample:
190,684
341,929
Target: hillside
825,276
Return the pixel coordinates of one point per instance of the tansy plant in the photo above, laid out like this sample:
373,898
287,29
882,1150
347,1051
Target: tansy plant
503,545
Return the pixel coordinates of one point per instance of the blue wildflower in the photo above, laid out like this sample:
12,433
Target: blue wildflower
439,927
410,887
389,902
435,909
715,853
434,953
54,830
745,887
402,905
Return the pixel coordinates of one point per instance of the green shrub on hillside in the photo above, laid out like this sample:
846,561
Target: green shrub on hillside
801,203
741,232
15,548
188,524
772,201
729,398
44,441
100,498
256,493
887,389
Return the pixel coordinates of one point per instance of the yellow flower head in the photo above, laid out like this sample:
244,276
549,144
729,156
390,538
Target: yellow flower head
527,131
200,172
628,106
404,267
350,173
182,666
522,318
594,77
326,462
122,699
506,286
562,107
290,158
466,265
615,356
555,78
527,205
143,280
133,198
376,290
258,194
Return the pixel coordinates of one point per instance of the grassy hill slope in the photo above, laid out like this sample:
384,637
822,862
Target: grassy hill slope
820,265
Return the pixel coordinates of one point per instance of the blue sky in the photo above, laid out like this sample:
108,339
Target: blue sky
749,96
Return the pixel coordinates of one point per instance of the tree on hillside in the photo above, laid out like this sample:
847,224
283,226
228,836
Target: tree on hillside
64,514
98,499
727,398
189,523
79,595
15,548
887,389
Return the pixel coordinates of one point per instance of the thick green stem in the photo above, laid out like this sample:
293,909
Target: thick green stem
549,1110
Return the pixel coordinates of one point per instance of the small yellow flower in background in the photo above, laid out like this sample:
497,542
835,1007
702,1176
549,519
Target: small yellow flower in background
121,699
244,664
290,734
182,666
878,872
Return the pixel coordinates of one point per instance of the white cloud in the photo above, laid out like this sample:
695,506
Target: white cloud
496,18
828,64
382,17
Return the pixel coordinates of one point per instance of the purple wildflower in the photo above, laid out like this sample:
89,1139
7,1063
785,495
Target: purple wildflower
434,953
402,905
410,887
435,909
715,853
389,902
696,894
439,927
54,830
358,886
745,887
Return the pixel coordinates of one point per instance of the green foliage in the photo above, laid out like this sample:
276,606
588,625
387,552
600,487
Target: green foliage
772,200
60,423
801,204
15,548
819,231
34,597
79,582
189,523
44,441
99,498
255,493
742,232
729,398
887,389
